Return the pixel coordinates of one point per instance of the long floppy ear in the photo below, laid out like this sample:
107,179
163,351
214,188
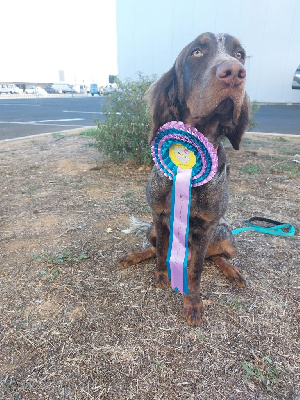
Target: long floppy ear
163,101
235,136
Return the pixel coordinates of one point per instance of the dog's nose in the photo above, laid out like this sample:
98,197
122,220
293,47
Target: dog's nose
231,72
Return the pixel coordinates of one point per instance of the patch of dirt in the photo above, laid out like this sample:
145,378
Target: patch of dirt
74,326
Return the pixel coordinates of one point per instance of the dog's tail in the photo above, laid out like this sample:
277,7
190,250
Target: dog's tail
137,226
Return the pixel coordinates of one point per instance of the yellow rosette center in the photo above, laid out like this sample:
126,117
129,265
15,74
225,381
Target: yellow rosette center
181,156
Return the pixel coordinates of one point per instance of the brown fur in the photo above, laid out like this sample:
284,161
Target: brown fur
206,89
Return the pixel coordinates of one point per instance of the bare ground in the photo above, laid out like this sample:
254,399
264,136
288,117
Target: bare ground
73,326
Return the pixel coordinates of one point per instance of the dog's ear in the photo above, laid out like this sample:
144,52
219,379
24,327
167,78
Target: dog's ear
235,136
163,103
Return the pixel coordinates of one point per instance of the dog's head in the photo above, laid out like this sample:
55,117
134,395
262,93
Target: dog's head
205,88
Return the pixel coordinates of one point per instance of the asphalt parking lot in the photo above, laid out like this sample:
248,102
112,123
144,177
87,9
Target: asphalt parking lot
278,118
21,117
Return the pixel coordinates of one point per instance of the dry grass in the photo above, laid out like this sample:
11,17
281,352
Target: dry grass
74,327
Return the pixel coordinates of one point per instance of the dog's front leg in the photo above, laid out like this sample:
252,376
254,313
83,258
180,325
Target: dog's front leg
162,244
192,303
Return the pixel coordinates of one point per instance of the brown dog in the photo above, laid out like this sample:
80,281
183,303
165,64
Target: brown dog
206,89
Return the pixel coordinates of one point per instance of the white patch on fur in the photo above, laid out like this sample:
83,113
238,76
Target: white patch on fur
221,43
222,54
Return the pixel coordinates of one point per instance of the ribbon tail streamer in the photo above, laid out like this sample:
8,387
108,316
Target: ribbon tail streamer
179,230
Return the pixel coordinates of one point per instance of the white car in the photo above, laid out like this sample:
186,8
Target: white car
4,89
36,90
30,90
14,89
109,89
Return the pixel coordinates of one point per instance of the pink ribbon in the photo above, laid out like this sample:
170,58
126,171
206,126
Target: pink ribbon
180,213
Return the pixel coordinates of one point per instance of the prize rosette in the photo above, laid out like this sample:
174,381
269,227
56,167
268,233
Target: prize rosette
179,145
185,156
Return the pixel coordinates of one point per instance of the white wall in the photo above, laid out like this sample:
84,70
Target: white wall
151,33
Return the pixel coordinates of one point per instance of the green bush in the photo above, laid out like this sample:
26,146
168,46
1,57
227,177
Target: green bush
124,133
254,107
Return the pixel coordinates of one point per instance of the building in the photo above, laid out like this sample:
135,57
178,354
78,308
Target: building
150,34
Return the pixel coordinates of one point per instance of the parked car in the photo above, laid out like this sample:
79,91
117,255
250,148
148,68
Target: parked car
71,88
11,88
296,79
30,90
64,87
14,89
109,89
4,89
96,89
36,90
51,89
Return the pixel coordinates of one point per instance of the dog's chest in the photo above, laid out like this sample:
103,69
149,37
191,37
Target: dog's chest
210,198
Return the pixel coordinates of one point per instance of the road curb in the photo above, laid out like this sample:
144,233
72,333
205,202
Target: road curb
84,128
273,134
65,132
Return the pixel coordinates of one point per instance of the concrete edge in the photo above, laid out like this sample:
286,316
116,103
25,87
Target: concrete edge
84,128
39,135
273,134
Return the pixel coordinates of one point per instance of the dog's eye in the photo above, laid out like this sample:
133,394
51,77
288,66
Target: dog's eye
239,55
197,53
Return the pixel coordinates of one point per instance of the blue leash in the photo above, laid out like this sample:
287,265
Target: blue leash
276,228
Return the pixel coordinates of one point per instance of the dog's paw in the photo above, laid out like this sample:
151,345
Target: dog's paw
127,260
230,271
193,312
236,277
161,279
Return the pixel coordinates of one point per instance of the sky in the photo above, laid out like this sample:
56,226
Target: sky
41,37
